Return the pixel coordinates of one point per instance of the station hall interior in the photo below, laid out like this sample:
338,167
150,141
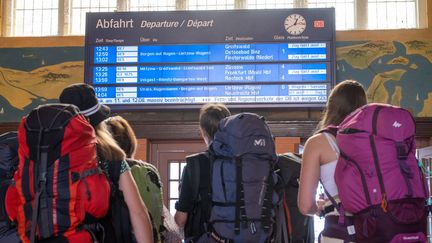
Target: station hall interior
42,50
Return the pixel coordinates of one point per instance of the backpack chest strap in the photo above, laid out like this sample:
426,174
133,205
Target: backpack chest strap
76,176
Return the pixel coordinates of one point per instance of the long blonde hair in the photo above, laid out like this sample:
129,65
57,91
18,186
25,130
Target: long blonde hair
107,148
123,134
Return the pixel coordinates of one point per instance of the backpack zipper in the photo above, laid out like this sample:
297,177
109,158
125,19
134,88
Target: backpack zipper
362,176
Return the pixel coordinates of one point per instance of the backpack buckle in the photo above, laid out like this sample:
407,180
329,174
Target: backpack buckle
402,150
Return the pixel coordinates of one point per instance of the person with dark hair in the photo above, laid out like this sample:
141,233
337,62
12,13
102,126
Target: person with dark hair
209,117
112,161
194,204
320,157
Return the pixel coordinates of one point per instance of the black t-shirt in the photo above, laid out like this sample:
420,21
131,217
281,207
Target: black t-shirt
186,200
195,194
194,174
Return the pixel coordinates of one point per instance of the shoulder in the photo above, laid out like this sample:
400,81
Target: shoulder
124,166
197,162
197,165
131,162
197,156
316,140
113,169
315,146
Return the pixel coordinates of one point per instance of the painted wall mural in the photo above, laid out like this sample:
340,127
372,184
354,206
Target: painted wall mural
33,76
398,73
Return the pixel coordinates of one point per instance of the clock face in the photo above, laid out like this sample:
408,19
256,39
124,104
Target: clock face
295,24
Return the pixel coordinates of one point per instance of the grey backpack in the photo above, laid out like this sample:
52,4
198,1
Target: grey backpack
243,181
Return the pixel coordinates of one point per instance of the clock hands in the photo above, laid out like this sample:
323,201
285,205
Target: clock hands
295,23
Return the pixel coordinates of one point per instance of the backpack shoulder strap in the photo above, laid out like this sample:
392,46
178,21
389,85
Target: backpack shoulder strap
329,129
198,168
331,141
194,165
132,162
332,200
119,212
283,227
42,157
114,168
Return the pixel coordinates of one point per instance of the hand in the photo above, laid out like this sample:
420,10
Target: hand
320,204
320,207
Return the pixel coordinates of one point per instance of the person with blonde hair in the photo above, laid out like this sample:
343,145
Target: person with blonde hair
148,180
319,161
123,134
112,161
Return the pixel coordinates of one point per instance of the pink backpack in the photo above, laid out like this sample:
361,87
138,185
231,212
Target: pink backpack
378,176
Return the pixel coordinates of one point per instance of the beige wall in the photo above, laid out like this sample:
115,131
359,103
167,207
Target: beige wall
1,15
400,35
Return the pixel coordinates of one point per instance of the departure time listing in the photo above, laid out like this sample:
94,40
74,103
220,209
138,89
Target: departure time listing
213,93
212,53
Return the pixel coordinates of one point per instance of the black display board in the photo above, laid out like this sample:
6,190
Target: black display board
182,59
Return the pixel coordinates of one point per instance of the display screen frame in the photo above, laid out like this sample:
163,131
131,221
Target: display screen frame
261,30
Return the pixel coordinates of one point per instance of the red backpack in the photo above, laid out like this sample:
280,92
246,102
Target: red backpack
58,185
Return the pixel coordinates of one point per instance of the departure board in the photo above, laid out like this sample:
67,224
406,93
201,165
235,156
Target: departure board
181,59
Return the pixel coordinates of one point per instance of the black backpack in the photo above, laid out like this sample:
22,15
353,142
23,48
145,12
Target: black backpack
8,166
197,220
291,225
117,227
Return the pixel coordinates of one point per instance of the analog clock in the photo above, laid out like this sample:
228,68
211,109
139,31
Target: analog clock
295,24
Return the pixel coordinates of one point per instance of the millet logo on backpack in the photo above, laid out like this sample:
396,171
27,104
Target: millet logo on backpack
260,142
397,124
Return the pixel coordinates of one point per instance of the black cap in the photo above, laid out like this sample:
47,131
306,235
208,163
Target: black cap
84,97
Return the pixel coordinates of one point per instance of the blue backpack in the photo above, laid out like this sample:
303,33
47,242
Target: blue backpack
8,166
243,181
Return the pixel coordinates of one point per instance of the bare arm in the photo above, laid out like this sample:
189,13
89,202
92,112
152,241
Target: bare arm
137,210
180,218
309,175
